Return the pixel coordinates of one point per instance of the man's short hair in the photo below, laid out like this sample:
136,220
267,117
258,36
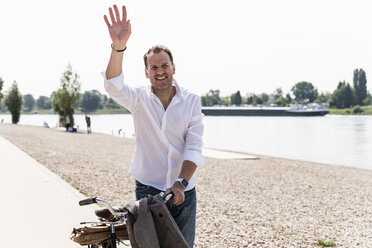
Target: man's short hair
158,49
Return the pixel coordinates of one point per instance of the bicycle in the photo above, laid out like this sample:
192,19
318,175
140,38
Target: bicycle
110,230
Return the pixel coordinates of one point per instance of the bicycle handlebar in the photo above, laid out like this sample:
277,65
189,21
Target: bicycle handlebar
88,201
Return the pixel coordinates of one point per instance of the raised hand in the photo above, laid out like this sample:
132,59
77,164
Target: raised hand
120,29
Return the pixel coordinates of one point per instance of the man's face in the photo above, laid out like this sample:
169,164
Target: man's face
160,70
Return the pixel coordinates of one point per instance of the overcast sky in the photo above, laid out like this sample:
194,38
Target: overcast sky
251,46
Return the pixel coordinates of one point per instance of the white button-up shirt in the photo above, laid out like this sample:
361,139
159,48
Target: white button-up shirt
164,138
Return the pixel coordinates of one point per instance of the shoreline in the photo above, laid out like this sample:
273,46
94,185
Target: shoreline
269,202
289,159
342,112
334,163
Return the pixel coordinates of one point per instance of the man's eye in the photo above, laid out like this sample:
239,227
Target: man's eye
165,66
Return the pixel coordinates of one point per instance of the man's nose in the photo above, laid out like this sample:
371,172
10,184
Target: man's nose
159,70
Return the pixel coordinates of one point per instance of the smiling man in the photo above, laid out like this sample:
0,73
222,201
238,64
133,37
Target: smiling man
168,125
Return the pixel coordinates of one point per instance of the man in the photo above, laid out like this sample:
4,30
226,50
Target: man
168,125
87,120
68,123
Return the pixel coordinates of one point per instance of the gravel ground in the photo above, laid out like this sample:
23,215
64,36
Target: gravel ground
269,202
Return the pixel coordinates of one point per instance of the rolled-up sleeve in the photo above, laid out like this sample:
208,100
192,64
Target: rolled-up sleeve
194,140
123,94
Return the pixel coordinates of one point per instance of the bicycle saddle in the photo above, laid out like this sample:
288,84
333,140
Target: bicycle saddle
105,214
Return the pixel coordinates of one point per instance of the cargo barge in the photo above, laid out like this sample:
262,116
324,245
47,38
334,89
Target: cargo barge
294,110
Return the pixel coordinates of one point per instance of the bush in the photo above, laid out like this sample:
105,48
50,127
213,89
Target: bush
325,244
357,110
14,102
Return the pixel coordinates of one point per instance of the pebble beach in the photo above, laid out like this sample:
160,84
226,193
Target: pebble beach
266,202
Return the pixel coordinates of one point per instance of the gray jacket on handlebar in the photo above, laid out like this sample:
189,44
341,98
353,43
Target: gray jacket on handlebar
151,225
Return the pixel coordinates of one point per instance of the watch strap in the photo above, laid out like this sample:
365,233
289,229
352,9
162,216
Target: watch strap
183,181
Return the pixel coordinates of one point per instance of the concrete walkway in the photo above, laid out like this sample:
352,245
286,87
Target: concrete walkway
38,208
214,153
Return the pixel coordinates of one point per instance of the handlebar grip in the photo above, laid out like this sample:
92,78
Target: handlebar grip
168,196
88,201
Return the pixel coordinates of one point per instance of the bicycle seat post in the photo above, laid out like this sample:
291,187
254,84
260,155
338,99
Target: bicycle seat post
113,235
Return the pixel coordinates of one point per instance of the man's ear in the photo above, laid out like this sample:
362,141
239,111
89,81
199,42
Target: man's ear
174,68
146,73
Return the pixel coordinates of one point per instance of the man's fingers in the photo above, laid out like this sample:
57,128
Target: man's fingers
117,13
178,201
124,9
107,21
129,27
178,197
112,16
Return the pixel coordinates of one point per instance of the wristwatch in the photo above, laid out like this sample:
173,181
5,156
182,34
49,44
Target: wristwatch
183,181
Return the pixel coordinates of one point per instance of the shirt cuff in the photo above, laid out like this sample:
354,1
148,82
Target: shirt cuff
195,157
116,81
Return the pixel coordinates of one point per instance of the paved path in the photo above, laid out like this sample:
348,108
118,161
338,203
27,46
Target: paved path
214,153
38,208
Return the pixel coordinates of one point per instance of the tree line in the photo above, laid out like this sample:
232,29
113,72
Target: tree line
89,102
64,101
344,96
68,97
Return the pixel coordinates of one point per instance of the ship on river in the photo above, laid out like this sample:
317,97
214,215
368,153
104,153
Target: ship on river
293,110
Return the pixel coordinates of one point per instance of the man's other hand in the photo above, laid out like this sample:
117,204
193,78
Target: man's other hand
178,191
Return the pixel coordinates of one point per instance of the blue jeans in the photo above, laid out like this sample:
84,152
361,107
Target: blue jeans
183,214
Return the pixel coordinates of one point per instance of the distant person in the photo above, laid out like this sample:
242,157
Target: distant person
2,120
168,124
87,119
46,125
68,123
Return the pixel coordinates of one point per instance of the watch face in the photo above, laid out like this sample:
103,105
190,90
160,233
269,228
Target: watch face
184,183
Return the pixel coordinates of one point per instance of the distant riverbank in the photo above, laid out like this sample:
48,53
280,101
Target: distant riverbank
363,110
78,112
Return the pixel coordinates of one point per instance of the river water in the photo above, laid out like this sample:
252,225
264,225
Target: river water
343,140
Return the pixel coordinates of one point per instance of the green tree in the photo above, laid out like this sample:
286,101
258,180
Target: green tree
111,104
367,100
249,99
236,98
14,102
289,98
265,98
203,101
255,100
304,92
48,103
67,95
91,101
279,99
225,100
278,93
343,96
211,98
324,98
29,102
44,102
1,88
360,86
